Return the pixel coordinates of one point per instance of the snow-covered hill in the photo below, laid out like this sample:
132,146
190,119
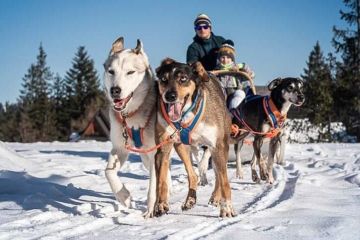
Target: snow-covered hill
58,190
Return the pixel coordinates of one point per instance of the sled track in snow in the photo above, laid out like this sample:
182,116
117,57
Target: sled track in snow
88,217
282,190
40,225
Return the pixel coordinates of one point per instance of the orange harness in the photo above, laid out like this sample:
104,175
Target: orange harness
274,116
128,133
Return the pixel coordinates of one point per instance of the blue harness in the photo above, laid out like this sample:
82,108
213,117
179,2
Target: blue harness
185,130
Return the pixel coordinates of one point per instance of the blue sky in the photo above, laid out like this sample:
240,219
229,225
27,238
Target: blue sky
274,37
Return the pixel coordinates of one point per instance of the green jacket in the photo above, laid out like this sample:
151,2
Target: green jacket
204,51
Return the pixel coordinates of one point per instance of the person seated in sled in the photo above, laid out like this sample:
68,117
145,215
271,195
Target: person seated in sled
233,87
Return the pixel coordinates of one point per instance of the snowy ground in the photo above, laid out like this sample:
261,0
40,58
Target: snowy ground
58,190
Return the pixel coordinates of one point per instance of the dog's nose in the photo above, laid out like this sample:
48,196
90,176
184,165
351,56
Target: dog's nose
301,97
171,96
115,92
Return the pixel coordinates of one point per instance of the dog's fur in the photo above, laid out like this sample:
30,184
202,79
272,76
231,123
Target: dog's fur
284,92
178,84
132,95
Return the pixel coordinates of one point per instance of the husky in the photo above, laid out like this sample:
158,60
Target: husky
264,117
192,111
131,92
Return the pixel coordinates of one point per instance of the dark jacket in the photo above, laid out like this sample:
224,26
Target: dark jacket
204,51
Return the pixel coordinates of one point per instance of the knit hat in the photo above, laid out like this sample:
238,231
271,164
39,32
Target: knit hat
202,19
227,48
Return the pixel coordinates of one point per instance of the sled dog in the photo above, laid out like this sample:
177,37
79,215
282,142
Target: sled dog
131,92
192,111
264,117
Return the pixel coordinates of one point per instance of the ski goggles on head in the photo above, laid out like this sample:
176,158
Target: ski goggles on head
199,27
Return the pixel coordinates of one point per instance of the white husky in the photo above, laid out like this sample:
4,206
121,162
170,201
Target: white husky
130,89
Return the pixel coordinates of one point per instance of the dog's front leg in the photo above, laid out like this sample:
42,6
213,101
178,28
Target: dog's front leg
184,153
115,162
162,167
258,142
273,146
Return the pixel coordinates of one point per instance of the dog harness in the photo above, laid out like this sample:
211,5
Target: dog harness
274,116
136,135
184,129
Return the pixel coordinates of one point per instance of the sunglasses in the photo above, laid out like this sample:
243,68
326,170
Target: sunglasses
205,27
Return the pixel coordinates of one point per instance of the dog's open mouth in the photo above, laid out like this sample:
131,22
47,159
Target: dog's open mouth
298,103
120,104
175,109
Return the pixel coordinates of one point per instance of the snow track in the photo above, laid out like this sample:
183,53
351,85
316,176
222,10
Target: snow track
64,194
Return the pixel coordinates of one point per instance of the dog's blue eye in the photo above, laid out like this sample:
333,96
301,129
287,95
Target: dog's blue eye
130,72
163,80
111,72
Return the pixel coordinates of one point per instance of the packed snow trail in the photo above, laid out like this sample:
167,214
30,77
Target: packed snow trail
59,191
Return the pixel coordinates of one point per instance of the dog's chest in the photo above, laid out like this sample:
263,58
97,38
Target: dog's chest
205,135
202,134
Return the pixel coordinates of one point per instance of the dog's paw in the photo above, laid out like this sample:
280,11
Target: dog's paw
124,197
270,180
203,180
255,177
189,203
148,214
239,174
161,209
227,210
264,175
214,202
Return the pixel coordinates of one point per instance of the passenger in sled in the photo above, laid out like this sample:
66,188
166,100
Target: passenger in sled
236,79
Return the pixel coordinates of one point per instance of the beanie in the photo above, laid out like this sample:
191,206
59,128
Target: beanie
227,48
202,19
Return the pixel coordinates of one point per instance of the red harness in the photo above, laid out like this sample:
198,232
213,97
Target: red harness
271,112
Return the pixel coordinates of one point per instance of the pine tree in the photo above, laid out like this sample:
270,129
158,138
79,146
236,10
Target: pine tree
58,99
9,122
347,42
83,93
318,89
37,120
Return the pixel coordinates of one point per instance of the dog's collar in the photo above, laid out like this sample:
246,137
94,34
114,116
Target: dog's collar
184,129
120,116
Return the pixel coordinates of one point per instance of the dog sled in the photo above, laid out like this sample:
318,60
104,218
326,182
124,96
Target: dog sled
243,77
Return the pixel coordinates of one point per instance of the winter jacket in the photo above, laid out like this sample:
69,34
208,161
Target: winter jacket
204,51
228,81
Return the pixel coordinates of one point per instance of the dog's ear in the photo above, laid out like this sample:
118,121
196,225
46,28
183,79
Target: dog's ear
274,83
300,81
163,63
199,70
117,46
139,47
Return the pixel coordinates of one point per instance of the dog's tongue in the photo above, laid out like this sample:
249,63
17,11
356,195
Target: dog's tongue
174,111
118,103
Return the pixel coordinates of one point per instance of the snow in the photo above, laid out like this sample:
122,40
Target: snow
59,191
